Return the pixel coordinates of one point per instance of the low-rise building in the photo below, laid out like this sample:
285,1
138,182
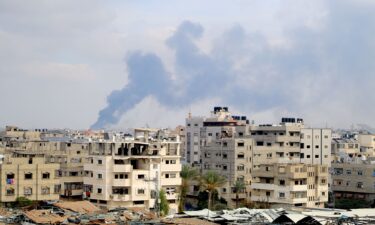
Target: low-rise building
354,179
28,175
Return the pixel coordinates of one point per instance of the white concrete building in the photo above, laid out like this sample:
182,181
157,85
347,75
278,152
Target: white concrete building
131,173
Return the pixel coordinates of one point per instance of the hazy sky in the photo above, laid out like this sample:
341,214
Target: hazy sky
151,62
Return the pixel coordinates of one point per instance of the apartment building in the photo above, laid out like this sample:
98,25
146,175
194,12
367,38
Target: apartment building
226,148
28,175
13,133
192,144
286,144
349,147
354,178
131,173
181,132
367,143
70,154
293,184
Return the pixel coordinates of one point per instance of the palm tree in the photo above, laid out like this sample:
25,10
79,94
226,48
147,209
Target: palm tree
239,186
187,174
209,182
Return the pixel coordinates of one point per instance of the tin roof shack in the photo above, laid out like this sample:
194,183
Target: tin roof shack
44,217
79,206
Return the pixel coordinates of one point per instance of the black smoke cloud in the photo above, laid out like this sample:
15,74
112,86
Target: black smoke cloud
319,73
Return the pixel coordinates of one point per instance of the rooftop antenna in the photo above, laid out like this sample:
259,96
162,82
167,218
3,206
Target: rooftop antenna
189,114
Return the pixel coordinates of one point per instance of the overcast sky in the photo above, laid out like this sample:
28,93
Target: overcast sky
120,64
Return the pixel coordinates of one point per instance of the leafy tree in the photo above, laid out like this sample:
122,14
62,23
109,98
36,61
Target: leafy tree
239,186
352,203
22,202
187,174
164,206
209,182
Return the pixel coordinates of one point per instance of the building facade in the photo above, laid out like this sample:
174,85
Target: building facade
131,173
28,175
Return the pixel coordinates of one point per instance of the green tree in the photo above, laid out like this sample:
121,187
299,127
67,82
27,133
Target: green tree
187,174
239,186
164,206
209,182
22,202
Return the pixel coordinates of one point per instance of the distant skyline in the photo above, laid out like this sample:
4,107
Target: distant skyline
151,62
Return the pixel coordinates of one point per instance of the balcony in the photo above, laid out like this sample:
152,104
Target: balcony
298,188
122,168
297,175
170,181
283,138
263,186
172,196
240,195
121,182
72,179
120,198
171,167
262,173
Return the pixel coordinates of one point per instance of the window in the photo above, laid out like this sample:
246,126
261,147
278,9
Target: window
224,167
308,156
210,134
360,172
348,172
282,182
281,195
323,181
240,144
45,175
316,156
10,191
316,146
100,161
259,143
10,176
302,145
100,176
141,176
241,167
28,176
141,191
45,190
224,156
28,191
359,185
241,156
99,190
307,146
268,194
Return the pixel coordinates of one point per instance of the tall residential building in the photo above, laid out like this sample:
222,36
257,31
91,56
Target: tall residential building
293,184
28,175
192,144
131,173
284,145
226,148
